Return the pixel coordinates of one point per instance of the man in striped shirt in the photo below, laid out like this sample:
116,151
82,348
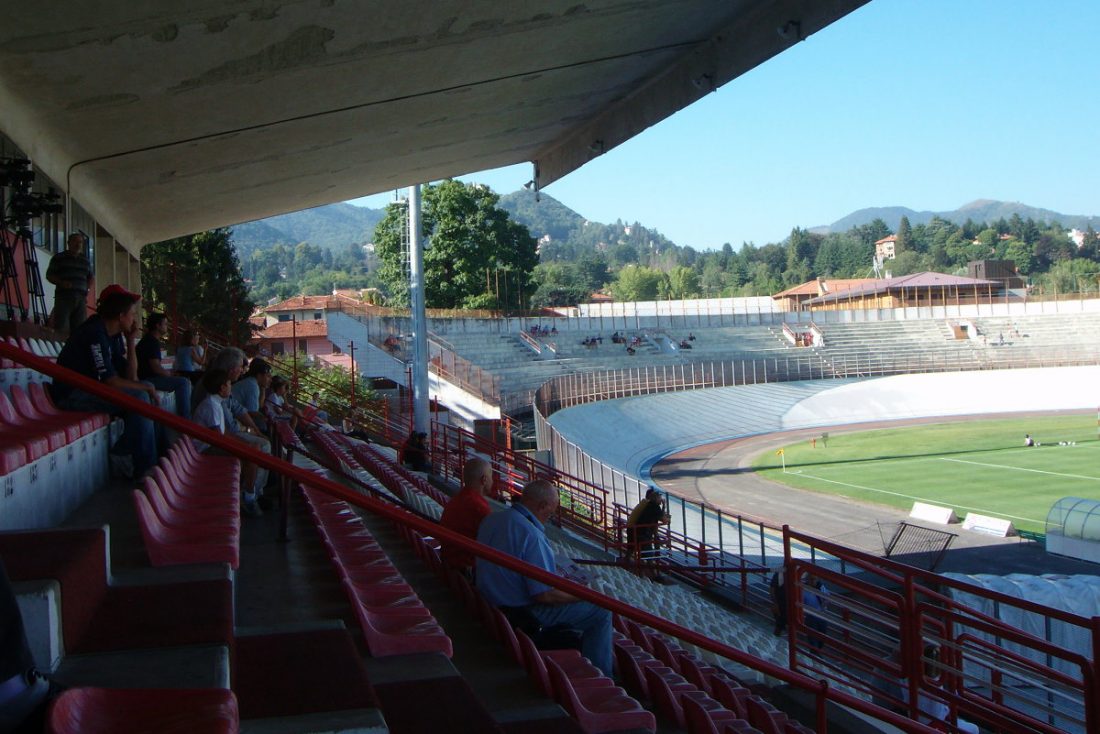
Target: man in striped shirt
70,273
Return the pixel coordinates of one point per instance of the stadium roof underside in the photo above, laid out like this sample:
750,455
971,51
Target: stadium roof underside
164,118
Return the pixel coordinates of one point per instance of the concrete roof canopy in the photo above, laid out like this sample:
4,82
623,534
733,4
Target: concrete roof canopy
164,118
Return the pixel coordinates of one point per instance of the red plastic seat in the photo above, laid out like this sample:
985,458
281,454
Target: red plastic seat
184,496
666,687
144,711
203,520
168,546
599,709
39,441
402,632
25,408
704,715
576,667
730,695
88,421
764,716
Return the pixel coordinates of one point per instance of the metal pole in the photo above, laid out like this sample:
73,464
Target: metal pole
294,351
419,316
351,349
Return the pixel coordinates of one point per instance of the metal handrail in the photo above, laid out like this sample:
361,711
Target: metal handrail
821,691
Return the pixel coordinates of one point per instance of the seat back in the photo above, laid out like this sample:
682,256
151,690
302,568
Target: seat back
563,691
764,716
662,696
506,634
630,671
159,502
696,717
8,416
730,695
152,531
22,404
533,662
41,399
663,651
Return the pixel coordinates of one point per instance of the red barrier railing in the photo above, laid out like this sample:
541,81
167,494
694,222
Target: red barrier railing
988,669
820,689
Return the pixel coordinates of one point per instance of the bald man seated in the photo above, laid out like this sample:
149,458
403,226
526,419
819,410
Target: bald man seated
520,531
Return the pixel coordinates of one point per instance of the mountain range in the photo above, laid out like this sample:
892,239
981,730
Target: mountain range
335,226
979,210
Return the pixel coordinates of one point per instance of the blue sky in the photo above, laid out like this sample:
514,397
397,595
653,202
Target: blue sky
928,104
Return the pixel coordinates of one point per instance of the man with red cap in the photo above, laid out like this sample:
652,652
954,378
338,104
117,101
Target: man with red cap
101,348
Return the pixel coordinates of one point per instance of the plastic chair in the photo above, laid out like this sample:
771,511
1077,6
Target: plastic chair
144,711
576,667
599,709
167,546
705,715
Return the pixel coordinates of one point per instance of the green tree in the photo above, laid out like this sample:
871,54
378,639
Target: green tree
638,283
683,282
198,279
905,236
471,246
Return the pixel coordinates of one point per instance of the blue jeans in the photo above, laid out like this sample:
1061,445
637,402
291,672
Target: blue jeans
139,439
594,623
181,386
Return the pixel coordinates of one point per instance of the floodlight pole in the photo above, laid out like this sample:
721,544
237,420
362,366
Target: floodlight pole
419,317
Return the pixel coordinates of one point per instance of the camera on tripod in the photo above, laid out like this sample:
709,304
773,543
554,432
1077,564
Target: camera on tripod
26,205
16,173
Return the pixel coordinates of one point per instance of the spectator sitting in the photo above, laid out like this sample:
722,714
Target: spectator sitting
276,405
414,454
238,423
630,351
211,414
149,368
553,331
465,511
250,390
685,344
189,356
691,336
520,532
313,412
91,351
391,344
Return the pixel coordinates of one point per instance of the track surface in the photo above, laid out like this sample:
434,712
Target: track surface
721,475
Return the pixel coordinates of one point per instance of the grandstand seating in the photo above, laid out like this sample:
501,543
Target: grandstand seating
143,711
689,688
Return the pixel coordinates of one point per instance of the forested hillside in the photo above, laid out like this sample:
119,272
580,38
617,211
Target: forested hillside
314,251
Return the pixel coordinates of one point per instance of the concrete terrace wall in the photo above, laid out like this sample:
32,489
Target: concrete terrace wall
698,314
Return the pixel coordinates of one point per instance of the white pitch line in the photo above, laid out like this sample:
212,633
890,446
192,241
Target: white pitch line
1019,468
919,499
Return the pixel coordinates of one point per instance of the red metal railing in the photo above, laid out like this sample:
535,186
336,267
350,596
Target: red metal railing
821,691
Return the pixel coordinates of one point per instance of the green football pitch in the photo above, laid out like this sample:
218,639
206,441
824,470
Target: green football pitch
971,466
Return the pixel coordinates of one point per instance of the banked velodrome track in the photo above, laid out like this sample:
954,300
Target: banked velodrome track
699,444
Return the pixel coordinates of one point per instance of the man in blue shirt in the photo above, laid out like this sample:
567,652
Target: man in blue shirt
92,350
519,531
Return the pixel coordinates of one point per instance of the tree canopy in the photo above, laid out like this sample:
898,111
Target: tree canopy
198,280
475,256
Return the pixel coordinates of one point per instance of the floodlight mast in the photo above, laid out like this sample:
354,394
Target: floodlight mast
418,316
